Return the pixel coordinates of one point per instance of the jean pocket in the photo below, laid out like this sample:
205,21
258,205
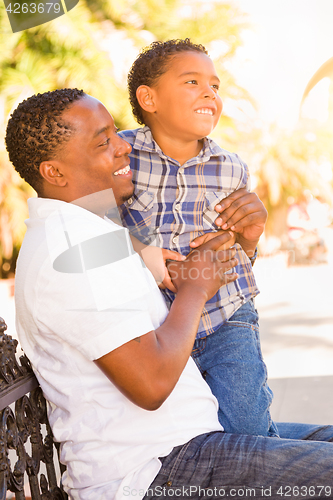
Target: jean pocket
246,315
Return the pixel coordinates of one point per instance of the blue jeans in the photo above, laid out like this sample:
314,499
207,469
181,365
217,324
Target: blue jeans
218,464
231,362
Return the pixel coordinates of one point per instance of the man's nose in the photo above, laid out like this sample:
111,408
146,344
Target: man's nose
123,147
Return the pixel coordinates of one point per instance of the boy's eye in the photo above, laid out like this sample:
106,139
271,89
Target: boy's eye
192,81
215,87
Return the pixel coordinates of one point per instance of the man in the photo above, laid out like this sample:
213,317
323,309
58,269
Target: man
124,394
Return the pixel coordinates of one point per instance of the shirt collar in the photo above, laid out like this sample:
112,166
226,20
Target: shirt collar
144,141
40,208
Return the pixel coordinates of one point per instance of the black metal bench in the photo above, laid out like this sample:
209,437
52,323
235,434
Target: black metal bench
24,429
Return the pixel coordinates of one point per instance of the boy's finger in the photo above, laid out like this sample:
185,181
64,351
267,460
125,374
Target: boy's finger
219,240
167,283
172,255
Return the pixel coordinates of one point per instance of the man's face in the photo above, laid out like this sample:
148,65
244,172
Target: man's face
95,158
188,106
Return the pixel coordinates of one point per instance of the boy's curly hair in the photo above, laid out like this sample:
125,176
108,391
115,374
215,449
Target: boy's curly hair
35,131
151,64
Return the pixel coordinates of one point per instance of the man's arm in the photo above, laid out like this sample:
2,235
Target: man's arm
147,369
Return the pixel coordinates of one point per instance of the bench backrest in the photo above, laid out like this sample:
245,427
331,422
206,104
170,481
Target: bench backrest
24,428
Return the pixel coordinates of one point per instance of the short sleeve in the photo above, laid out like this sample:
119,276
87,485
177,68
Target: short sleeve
101,302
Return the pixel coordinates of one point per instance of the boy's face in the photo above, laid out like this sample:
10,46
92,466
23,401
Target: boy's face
186,101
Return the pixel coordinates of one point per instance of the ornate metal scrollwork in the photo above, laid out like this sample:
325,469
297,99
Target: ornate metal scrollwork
28,426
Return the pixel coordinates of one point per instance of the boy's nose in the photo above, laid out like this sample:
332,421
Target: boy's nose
210,93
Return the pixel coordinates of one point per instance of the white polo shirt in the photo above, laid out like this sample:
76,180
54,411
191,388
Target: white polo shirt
81,291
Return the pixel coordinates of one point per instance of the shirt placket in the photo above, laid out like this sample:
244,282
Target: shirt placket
178,227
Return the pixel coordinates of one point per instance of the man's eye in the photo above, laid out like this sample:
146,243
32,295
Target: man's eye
106,142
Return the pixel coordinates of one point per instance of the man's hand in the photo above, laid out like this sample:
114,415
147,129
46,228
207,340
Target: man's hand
244,213
205,267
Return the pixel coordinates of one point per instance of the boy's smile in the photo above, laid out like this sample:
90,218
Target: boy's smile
185,105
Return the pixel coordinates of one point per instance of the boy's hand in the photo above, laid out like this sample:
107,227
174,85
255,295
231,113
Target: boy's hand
155,259
174,256
205,267
244,213
200,240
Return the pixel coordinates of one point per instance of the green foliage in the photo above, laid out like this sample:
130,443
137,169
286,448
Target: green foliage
92,47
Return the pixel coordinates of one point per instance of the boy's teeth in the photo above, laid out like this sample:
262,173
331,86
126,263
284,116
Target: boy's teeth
123,171
204,111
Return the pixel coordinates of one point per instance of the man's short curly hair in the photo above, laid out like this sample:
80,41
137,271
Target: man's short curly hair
35,131
151,64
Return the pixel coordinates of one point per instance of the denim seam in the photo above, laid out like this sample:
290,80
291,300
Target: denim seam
178,459
243,324
199,350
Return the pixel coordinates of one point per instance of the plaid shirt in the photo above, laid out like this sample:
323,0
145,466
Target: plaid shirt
172,204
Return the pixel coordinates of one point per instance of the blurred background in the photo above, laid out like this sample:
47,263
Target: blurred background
275,62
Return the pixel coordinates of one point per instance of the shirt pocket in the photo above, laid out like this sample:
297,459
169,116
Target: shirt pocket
140,214
212,198
142,201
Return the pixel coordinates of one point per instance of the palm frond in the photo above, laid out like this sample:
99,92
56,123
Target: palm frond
325,70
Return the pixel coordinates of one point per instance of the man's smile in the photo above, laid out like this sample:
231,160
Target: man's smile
123,171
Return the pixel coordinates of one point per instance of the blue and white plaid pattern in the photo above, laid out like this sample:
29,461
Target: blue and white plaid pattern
174,204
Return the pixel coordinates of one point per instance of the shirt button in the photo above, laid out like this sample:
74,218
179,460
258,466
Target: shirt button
174,239
177,207
130,201
169,483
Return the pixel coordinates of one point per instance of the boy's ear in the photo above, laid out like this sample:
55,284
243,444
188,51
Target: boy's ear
145,97
52,174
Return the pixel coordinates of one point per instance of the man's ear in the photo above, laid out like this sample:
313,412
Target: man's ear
52,174
145,97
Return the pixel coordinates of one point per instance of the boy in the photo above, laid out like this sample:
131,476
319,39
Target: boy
180,176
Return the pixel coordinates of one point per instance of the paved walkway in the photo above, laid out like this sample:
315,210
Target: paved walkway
296,326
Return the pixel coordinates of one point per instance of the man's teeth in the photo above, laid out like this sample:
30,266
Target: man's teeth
205,111
123,171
